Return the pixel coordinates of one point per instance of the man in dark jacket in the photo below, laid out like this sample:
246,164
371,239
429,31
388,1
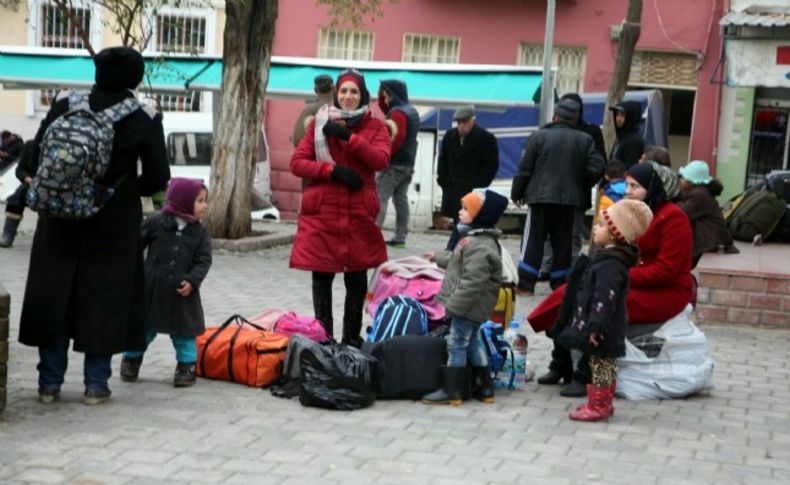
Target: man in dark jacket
85,280
553,177
468,158
10,148
393,181
629,145
323,86
578,223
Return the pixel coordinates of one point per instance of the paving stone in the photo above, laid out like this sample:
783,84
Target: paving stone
223,432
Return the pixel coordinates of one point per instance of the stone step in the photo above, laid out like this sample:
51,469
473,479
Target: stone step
756,299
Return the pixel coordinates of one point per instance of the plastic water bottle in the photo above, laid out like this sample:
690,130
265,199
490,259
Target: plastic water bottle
518,342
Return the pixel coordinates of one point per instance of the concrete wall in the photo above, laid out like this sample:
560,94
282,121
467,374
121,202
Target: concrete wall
490,33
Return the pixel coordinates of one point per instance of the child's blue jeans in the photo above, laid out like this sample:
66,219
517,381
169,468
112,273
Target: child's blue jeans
186,348
464,343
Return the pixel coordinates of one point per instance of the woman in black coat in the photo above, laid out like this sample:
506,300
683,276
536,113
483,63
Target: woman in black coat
85,280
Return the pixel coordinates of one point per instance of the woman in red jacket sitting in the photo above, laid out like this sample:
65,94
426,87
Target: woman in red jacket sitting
343,148
661,284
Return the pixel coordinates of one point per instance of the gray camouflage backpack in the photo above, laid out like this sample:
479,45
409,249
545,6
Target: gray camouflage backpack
75,153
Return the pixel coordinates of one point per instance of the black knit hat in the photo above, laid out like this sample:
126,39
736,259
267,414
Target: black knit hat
494,204
119,68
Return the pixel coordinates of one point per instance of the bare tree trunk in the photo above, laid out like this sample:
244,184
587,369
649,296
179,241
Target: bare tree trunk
629,35
247,52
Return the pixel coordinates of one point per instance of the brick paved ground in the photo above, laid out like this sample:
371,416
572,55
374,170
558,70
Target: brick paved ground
221,432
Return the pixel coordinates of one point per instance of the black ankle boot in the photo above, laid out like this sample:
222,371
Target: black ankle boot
9,231
483,384
323,313
574,389
184,375
130,368
451,390
553,377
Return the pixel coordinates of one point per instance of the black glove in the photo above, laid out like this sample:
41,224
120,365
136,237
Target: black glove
337,130
518,189
347,176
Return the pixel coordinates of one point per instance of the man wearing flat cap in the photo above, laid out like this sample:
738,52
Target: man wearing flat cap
322,85
86,279
468,159
557,168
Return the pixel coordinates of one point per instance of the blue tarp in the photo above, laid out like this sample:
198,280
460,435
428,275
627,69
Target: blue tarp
513,126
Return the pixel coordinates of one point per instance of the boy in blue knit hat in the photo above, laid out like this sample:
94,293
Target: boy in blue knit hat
469,293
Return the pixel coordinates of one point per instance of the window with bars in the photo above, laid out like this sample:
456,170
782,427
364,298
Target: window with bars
61,29
181,33
356,45
652,68
431,48
570,63
184,34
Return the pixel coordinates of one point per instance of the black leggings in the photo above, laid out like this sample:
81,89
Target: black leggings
356,288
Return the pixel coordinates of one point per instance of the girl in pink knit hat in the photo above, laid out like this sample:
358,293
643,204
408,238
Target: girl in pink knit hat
593,316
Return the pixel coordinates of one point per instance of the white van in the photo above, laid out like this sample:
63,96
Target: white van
189,136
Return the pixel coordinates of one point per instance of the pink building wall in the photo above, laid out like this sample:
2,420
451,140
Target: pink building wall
490,33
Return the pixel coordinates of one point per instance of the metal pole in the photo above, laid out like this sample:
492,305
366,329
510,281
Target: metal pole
547,89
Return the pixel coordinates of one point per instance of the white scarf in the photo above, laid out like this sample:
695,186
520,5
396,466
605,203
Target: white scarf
328,113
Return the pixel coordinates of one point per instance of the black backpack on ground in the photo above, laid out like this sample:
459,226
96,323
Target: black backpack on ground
407,366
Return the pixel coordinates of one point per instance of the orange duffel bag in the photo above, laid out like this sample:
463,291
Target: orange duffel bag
240,351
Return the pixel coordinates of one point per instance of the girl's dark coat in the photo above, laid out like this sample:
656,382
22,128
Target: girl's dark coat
595,302
174,256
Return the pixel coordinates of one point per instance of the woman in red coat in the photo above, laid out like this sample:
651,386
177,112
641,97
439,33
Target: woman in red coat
343,148
661,284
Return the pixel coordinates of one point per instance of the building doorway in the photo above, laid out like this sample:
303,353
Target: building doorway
770,143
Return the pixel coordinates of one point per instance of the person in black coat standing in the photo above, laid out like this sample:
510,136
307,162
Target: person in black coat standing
85,281
468,159
578,223
553,177
178,259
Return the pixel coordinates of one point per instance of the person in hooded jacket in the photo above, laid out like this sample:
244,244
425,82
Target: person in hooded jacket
339,155
393,100
85,282
698,200
629,145
10,148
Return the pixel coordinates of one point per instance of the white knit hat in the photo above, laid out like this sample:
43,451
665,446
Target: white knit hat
628,219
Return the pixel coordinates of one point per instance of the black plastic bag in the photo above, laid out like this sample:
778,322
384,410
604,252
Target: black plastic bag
336,376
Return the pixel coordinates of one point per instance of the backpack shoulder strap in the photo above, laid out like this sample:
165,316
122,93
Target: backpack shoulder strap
121,110
79,100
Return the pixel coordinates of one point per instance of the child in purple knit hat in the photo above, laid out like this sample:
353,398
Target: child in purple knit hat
177,261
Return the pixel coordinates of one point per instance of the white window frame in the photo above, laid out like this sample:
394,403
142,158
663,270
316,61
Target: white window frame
34,32
209,15
350,43
562,81
434,40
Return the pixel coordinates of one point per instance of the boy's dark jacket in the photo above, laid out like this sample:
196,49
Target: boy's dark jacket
595,302
174,256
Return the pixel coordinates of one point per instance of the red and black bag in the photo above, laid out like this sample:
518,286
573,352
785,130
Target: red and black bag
241,351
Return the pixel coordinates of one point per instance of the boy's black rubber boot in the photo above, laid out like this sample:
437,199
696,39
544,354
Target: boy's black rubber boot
483,384
451,391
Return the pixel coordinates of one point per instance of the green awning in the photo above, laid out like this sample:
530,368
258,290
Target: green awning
494,86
